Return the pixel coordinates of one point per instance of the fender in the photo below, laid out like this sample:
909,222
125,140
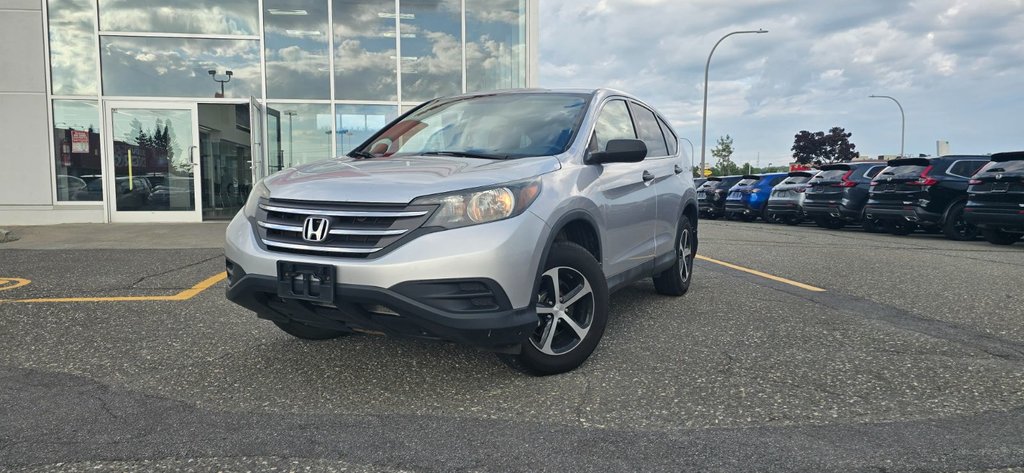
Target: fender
949,208
556,228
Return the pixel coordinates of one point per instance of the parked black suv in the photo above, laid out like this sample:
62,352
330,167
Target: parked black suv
836,195
926,192
711,195
995,201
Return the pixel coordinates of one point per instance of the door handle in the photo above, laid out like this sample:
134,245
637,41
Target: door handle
678,169
648,177
192,155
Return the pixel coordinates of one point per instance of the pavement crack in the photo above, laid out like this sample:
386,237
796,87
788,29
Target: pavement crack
177,268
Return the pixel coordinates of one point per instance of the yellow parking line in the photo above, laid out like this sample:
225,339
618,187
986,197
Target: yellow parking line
11,283
763,275
181,296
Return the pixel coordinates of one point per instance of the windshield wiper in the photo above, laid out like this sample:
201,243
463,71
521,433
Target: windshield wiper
362,154
463,154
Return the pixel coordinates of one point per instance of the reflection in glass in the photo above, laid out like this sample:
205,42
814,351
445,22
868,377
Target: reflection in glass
365,63
431,32
173,67
302,134
296,33
76,142
495,44
152,166
181,16
72,47
357,123
224,155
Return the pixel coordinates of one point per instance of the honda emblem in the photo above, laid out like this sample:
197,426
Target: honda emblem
315,229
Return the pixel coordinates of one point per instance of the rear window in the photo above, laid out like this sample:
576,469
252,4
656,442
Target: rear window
747,182
831,175
796,179
1007,167
902,171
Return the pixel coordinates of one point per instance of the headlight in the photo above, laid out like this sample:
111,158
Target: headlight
259,191
481,206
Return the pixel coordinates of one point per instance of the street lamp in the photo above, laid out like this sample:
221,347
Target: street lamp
213,74
704,124
903,119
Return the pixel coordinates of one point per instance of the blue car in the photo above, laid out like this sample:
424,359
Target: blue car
748,197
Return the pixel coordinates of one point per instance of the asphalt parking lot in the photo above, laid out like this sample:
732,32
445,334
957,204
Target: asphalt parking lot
911,358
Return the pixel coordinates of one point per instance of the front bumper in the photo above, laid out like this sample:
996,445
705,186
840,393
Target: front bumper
388,311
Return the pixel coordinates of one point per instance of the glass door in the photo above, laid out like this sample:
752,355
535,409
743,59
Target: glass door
152,173
257,138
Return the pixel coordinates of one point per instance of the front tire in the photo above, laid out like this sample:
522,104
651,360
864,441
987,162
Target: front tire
572,305
675,281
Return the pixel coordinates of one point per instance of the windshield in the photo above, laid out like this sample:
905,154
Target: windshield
491,126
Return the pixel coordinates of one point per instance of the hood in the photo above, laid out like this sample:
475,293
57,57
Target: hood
399,180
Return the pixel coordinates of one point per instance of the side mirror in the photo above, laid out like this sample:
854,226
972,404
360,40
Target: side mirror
620,151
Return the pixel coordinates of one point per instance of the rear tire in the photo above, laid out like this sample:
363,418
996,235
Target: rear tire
675,281
767,216
871,225
572,306
956,228
996,236
793,220
308,332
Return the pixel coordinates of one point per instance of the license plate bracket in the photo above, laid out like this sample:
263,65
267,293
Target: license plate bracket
1000,186
306,281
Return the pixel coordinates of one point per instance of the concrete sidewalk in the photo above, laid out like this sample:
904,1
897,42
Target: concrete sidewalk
86,236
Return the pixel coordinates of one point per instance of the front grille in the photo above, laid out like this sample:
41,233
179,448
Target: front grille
353,230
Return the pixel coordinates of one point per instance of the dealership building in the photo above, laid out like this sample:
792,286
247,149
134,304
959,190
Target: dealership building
170,110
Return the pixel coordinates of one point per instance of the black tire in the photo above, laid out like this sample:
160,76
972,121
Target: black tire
748,217
830,223
871,225
956,228
563,349
793,220
996,236
900,227
767,216
675,281
308,332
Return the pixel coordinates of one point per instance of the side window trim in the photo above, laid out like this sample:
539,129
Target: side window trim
636,128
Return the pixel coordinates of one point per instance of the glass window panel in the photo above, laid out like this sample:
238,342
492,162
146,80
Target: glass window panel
72,47
178,67
296,33
612,124
357,123
299,134
495,44
180,16
431,34
76,147
365,62
649,131
152,160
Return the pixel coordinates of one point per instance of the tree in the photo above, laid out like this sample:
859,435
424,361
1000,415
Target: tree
821,148
723,152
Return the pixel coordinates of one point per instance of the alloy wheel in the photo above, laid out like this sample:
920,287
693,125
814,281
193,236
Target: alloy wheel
565,305
685,255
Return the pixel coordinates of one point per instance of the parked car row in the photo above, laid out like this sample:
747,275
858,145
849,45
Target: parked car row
960,196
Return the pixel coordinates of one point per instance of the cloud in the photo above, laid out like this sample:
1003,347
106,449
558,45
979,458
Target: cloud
954,64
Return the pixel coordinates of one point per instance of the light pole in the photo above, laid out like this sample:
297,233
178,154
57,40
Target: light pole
903,119
213,74
704,116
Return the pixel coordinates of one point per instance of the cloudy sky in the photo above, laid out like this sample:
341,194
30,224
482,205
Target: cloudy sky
957,67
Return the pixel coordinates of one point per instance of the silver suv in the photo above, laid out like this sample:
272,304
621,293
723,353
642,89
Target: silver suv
501,220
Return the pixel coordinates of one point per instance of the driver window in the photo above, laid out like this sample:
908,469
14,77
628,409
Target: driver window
613,123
